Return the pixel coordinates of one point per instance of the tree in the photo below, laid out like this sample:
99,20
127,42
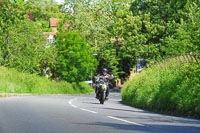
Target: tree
42,11
9,16
27,48
75,58
23,45
98,22
147,27
160,21
186,37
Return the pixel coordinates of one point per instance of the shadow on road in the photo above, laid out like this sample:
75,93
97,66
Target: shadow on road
91,103
119,126
155,128
126,110
115,90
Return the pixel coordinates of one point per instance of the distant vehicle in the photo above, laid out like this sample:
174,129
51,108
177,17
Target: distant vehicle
141,63
90,82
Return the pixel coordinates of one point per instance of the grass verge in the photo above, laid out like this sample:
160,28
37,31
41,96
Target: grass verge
12,81
169,88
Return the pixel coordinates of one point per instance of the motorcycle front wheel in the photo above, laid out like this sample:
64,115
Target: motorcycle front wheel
103,97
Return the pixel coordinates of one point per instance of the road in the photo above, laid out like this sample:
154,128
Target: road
84,114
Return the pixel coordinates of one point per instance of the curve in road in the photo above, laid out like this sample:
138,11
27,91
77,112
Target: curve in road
74,114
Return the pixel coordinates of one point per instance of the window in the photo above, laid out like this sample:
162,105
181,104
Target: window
50,39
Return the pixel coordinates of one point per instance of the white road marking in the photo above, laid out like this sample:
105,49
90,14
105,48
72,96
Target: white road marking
125,120
70,102
74,106
88,110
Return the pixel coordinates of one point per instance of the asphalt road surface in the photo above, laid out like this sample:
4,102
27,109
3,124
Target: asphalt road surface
84,114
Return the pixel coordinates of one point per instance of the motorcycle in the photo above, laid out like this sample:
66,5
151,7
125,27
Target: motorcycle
101,88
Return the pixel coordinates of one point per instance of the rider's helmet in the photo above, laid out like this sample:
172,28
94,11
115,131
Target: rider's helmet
105,70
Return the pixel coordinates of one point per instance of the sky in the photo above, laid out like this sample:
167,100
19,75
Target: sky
60,1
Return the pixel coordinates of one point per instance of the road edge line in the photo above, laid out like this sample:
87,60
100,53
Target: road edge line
125,120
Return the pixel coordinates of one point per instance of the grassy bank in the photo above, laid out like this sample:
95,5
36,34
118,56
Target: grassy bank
172,88
12,81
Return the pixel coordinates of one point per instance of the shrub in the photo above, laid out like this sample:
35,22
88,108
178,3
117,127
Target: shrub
171,87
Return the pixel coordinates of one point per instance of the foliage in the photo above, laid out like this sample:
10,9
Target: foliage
75,60
27,48
42,10
163,29
188,92
23,45
12,81
9,16
151,29
148,29
187,34
171,87
96,20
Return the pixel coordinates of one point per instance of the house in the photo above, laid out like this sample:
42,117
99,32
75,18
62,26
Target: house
50,36
53,24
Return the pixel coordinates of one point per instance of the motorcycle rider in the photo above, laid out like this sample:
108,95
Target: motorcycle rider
108,78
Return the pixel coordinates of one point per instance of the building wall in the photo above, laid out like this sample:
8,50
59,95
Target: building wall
54,29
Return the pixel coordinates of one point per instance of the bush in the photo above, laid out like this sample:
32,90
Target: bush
171,87
12,81
188,92
75,60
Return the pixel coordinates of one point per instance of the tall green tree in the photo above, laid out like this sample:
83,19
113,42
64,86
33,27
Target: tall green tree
186,37
97,21
75,58
9,16
28,49
23,45
160,21
147,27
42,11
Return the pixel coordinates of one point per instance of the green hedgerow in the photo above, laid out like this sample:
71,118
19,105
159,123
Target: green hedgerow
171,87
